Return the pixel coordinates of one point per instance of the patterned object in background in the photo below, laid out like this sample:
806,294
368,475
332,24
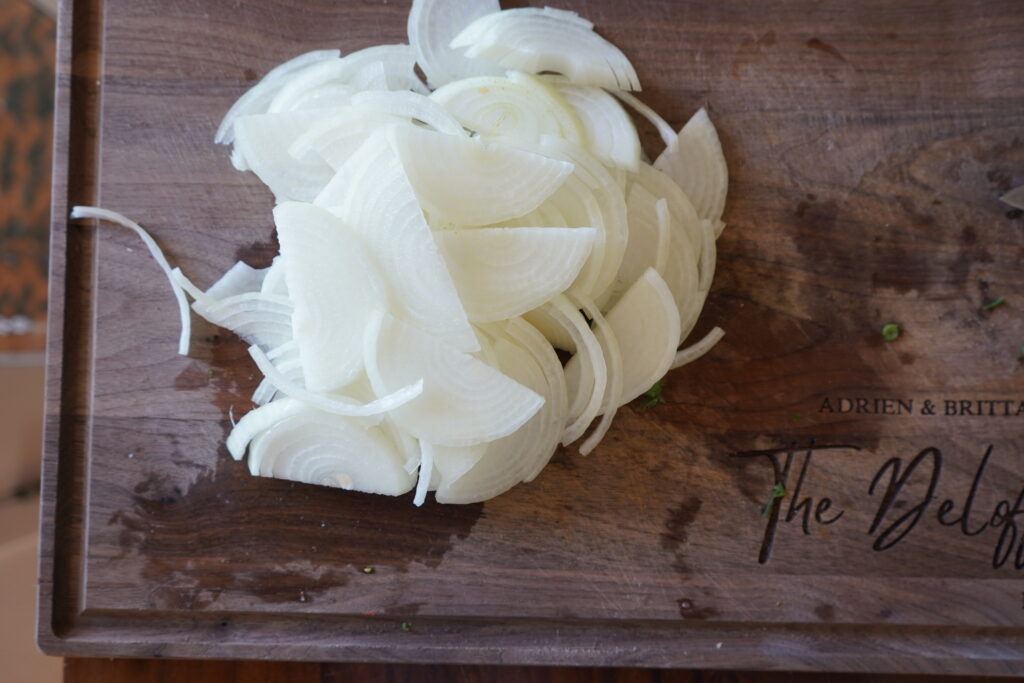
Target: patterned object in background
26,118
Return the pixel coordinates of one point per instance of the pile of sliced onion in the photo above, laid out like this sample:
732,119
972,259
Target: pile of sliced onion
438,244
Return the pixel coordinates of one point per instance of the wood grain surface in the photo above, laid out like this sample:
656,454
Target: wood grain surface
868,143
174,671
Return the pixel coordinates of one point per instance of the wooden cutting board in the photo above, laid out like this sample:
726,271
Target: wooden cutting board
868,143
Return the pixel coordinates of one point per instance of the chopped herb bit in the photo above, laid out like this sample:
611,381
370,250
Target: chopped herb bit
1014,214
778,603
890,332
368,570
778,491
795,417
1022,350
210,372
406,626
992,305
653,395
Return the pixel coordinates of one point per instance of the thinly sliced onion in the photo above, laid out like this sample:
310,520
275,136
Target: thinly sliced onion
425,473
613,212
335,403
668,135
502,273
335,139
259,420
322,255
692,353
646,323
255,317
397,60
608,132
412,106
258,98
313,447
264,140
586,404
554,330
464,401
485,183
432,25
273,282
239,279
372,196
539,40
78,212
695,161
519,108
509,460
649,240
613,361
684,216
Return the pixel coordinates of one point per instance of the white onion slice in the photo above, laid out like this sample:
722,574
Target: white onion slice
257,318
425,474
398,67
538,40
412,106
501,273
692,353
335,403
607,129
695,161
320,256
239,279
313,447
258,98
464,401
518,108
372,196
665,131
274,282
509,460
158,256
481,183
264,141
432,25
337,138
554,331
257,421
1014,198
613,360
586,402
646,323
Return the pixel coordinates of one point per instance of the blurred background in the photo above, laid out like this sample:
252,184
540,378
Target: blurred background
26,114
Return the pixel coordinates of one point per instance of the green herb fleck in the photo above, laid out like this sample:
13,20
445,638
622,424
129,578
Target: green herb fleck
210,372
653,395
1022,350
890,332
778,491
796,417
992,305
1014,214
406,626
368,570
778,603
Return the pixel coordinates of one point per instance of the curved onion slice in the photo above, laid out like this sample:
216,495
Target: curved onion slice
537,40
258,98
607,129
587,400
337,138
692,353
321,255
259,420
613,360
273,281
451,462
432,25
518,107
412,106
372,196
483,183
313,447
649,239
257,318
239,279
158,256
553,329
509,460
397,61
646,323
694,160
263,141
335,403
464,401
504,272
664,130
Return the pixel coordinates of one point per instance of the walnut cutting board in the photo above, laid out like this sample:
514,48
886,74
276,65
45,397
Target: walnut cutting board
868,143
